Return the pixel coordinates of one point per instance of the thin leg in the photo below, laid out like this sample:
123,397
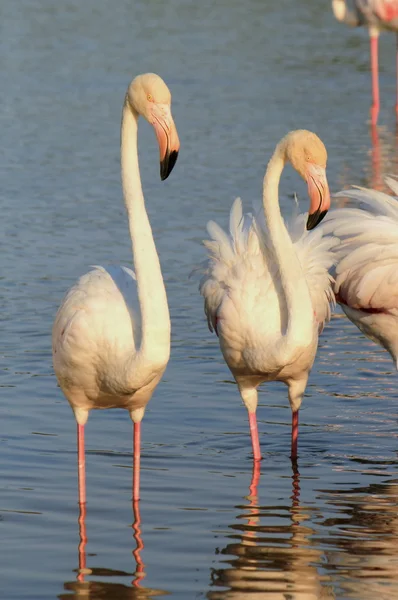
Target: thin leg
254,435
295,424
396,62
374,62
81,464
136,461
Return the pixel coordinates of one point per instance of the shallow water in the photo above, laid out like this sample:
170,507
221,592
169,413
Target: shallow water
242,75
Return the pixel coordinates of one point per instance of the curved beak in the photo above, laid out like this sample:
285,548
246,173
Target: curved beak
318,191
167,137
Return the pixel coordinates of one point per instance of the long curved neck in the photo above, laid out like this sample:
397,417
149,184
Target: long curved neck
344,15
155,318
297,299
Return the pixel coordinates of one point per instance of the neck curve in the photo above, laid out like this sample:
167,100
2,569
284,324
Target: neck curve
155,319
296,301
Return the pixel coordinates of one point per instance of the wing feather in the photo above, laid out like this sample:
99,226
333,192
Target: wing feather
367,256
247,248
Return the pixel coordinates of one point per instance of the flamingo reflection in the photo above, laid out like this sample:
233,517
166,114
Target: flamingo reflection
383,161
271,561
384,157
105,590
362,540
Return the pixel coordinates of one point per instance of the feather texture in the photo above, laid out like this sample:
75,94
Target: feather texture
245,257
366,272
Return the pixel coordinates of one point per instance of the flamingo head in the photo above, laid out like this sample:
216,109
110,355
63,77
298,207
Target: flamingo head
307,154
149,96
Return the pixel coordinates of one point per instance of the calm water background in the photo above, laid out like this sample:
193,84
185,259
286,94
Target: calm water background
242,74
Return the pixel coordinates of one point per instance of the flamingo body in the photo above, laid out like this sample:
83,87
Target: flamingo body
382,14
111,335
266,288
98,325
366,272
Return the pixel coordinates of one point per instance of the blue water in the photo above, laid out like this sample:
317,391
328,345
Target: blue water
242,75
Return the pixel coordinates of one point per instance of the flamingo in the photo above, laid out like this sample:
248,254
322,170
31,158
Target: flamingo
266,287
111,335
366,284
377,15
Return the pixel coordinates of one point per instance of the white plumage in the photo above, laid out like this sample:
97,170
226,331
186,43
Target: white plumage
111,335
242,263
97,330
367,269
266,288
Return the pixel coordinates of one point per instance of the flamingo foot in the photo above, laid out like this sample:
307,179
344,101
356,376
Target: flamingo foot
295,424
81,464
254,436
136,461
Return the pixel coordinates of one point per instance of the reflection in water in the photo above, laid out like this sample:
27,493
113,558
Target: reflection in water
384,157
105,590
362,541
275,560
383,161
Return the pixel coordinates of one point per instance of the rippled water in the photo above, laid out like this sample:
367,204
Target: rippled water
242,74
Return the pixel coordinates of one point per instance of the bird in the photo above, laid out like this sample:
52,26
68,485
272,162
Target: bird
377,15
111,334
266,287
366,270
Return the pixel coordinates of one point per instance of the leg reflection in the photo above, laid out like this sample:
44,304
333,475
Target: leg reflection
377,182
82,571
140,567
269,549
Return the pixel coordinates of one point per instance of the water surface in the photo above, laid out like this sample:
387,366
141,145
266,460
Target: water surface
242,75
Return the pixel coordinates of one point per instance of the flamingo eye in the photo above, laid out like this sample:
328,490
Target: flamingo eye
150,98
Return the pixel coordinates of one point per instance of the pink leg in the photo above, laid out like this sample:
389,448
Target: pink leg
82,545
374,62
254,435
295,424
81,464
136,461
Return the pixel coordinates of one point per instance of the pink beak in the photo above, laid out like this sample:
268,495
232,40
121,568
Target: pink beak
167,137
318,191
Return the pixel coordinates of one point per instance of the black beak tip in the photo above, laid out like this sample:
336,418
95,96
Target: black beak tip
315,218
167,164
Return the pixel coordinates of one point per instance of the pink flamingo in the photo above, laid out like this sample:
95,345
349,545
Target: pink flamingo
266,287
377,15
366,284
111,335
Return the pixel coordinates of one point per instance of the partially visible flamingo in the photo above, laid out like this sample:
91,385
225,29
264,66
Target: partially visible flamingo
377,15
366,272
111,335
266,287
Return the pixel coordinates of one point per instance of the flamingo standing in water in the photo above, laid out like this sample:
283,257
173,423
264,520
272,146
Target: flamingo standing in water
266,287
366,272
377,15
111,335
